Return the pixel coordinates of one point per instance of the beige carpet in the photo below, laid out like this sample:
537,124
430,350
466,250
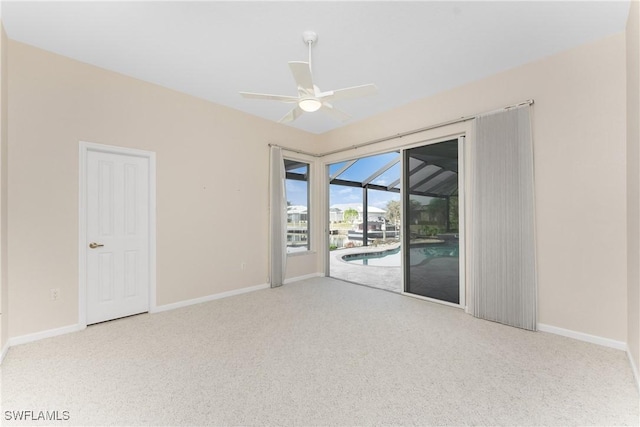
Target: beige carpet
318,352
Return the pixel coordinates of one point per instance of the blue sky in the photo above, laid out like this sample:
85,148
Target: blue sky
297,195
296,192
359,171
339,194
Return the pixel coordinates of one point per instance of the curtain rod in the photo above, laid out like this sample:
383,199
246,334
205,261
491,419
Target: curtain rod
403,134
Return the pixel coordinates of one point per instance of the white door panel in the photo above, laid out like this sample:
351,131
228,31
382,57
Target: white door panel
118,222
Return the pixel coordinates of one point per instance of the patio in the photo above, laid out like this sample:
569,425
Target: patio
383,277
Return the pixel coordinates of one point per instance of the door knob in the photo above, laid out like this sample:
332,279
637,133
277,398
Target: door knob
93,245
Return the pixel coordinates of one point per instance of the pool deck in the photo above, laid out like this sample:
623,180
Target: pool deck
382,277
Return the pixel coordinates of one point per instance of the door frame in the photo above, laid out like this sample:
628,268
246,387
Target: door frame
461,136
462,243
84,149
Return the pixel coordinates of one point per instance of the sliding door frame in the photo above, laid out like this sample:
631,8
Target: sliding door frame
462,229
460,136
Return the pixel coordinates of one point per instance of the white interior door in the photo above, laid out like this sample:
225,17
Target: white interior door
117,236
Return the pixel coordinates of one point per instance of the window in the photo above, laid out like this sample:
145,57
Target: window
297,185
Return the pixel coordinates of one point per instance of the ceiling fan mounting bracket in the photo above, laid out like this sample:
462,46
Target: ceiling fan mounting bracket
309,37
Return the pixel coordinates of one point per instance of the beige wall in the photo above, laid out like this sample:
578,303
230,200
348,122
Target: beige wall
579,120
211,172
633,181
4,93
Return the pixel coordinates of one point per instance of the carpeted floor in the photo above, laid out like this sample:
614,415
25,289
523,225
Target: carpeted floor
318,352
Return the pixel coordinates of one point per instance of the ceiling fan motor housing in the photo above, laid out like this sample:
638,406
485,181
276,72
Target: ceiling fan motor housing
309,37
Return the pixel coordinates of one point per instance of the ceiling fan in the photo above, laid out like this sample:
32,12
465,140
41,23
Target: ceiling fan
310,98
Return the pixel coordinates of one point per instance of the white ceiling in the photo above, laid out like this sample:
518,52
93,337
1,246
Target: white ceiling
212,50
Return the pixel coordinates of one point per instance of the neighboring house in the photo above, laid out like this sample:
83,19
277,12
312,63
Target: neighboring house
374,214
336,215
296,213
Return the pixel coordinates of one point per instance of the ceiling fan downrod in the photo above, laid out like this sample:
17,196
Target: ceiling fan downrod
309,37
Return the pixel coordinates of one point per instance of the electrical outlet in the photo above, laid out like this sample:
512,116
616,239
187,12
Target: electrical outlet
55,294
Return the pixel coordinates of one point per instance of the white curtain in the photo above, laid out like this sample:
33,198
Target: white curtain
277,218
503,259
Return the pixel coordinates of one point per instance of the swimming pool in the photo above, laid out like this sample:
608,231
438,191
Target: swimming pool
393,257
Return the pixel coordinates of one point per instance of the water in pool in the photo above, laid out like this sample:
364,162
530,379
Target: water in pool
392,258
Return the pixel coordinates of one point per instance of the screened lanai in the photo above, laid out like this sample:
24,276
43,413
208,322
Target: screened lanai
367,230
432,175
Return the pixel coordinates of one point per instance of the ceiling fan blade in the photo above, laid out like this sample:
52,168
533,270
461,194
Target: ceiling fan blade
302,75
350,92
334,112
269,97
291,115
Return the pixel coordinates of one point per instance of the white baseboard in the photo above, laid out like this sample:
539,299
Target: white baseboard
23,339
581,336
3,353
213,297
207,298
634,368
305,277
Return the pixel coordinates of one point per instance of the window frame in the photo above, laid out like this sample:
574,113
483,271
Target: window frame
291,161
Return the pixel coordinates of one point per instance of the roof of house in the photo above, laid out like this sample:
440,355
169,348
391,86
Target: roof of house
358,207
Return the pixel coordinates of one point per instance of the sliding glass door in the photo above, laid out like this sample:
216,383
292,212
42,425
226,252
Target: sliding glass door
432,227
364,221
394,221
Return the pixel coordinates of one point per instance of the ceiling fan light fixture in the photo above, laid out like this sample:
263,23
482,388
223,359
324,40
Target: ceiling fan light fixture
310,104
